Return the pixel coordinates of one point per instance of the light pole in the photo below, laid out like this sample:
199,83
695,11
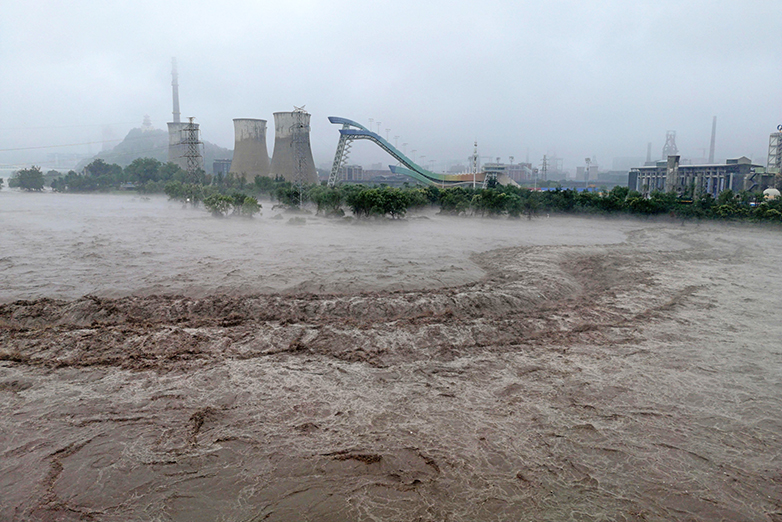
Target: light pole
586,174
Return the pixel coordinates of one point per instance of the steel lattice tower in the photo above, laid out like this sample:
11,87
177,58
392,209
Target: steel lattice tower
670,148
775,152
192,143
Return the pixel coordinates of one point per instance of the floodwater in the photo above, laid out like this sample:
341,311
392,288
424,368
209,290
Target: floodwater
167,365
67,246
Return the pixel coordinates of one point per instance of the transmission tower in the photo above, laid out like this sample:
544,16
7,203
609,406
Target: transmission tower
544,168
670,148
474,159
192,143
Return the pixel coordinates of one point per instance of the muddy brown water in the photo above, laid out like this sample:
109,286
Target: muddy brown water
160,364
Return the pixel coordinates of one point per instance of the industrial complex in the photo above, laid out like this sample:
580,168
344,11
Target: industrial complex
292,159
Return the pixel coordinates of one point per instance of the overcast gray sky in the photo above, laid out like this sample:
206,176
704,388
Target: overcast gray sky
576,78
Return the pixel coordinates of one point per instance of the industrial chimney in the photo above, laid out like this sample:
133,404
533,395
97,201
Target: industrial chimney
292,157
176,129
251,157
175,89
713,140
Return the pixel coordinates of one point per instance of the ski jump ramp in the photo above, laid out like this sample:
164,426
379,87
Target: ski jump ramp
352,131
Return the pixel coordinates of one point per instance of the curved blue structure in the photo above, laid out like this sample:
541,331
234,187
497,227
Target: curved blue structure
352,130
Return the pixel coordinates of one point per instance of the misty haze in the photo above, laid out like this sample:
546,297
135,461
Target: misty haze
390,261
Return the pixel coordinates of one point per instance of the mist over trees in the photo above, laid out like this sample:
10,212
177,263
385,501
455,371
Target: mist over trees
233,195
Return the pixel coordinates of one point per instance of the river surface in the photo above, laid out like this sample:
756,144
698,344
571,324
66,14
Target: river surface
67,246
157,363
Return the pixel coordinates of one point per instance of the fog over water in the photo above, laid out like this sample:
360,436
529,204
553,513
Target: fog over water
430,369
67,246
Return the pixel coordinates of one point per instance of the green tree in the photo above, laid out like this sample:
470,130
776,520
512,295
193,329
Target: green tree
142,171
30,179
455,200
490,202
264,185
244,205
218,204
188,193
102,175
171,171
395,202
328,199
290,195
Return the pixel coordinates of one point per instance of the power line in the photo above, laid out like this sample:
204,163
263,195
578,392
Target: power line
68,126
58,146
125,139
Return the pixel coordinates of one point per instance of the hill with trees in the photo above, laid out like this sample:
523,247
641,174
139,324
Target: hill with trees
151,143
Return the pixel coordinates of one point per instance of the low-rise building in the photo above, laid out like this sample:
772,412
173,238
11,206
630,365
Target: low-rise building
352,173
221,167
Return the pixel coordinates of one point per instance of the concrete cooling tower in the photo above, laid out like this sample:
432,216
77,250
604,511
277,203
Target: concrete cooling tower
251,157
176,149
292,157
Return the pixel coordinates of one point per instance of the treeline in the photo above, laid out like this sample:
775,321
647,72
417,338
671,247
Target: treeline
516,202
146,175
233,195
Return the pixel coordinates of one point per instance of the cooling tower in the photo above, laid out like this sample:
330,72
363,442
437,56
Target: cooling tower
292,157
176,150
251,158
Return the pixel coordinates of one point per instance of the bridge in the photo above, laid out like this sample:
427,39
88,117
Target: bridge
352,131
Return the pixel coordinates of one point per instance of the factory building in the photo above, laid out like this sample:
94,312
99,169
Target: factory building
292,156
251,157
518,172
587,173
671,176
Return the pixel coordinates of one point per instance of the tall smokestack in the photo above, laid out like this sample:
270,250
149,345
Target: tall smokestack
176,129
251,157
175,89
713,140
649,153
292,157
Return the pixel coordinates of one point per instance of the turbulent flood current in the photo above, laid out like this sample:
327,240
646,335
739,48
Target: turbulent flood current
157,363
